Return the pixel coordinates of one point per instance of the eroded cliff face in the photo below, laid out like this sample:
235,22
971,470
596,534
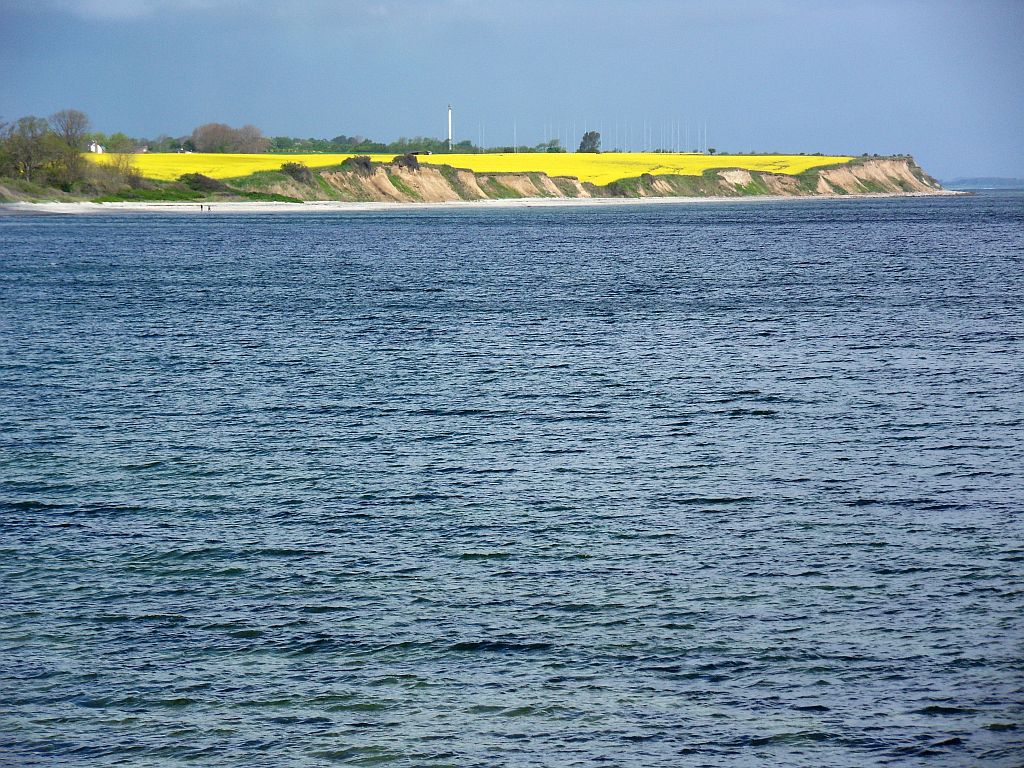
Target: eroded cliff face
898,175
405,183
882,175
438,184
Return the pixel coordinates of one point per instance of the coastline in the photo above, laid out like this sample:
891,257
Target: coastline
252,207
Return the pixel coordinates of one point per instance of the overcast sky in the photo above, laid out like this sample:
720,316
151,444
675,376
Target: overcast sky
940,79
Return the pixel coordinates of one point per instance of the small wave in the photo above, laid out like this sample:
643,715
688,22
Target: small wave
416,498
793,738
176,703
455,412
695,501
485,709
143,465
125,618
499,646
738,412
361,755
284,552
30,506
1001,727
942,709
587,607
317,609
247,634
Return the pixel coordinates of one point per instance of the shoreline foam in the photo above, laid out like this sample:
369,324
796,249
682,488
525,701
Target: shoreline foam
250,207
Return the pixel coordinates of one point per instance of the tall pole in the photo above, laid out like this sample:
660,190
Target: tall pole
449,127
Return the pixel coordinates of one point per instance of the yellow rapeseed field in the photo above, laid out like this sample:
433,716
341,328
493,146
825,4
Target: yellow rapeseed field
609,167
169,166
599,169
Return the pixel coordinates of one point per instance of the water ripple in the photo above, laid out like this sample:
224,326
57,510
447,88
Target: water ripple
697,485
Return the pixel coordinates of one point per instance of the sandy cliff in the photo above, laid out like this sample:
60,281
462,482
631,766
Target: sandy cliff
408,181
895,175
405,180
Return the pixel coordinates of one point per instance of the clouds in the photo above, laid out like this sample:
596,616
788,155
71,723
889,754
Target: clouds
336,11
805,75
117,10
301,11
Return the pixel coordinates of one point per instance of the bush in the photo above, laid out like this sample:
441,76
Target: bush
269,197
358,164
201,183
409,161
300,172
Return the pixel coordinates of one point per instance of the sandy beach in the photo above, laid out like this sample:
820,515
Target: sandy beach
247,207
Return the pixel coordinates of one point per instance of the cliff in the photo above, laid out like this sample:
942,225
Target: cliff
894,175
405,180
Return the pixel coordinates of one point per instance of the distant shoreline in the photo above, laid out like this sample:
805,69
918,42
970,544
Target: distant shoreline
253,207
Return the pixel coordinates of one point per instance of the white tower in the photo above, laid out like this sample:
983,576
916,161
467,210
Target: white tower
449,127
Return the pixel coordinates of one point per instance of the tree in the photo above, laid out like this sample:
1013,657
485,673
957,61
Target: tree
164,143
29,146
213,137
66,167
120,143
591,142
218,137
5,160
250,139
553,145
71,126
124,166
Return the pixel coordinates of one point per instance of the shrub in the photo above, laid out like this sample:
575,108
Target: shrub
300,172
358,164
201,183
409,161
270,197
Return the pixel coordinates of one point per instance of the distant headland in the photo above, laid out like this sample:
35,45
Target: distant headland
45,160
985,182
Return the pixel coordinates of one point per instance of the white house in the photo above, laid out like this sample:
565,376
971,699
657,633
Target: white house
96,148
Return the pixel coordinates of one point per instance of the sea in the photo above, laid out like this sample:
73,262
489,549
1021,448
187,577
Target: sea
715,484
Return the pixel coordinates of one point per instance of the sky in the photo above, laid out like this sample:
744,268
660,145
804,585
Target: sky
940,79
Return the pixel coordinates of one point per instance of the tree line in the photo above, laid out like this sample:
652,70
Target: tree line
48,152
33,145
45,151
209,137
219,137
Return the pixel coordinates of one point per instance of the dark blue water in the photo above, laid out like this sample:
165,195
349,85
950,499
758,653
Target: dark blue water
709,485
